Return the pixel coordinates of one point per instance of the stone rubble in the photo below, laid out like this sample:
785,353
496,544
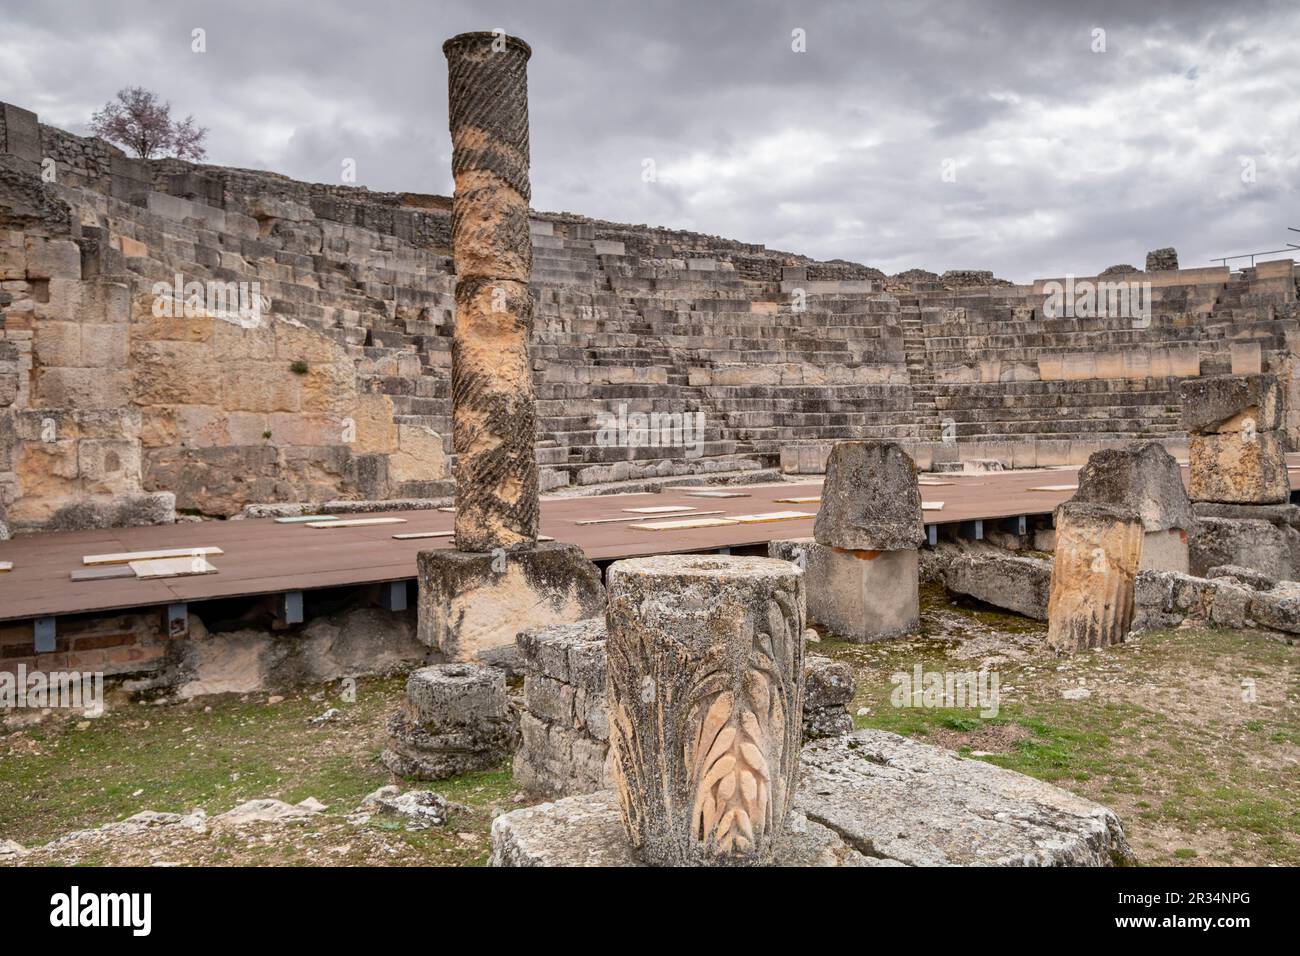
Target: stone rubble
420,808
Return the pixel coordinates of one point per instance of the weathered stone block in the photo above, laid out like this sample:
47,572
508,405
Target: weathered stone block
705,704
1098,549
828,689
471,603
870,499
1245,467
1278,608
1221,403
1165,551
106,511
1012,582
1144,477
1259,545
858,595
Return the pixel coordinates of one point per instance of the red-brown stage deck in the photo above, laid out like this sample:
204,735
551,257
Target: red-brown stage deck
263,557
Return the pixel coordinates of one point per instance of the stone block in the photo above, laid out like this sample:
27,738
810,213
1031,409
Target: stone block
57,344
1259,545
1278,608
108,466
1239,467
104,346
1247,357
452,695
86,512
1142,476
22,133
471,603
52,258
857,595
1165,551
870,499
587,830
828,689
1098,549
1007,581
420,455
83,388
1221,403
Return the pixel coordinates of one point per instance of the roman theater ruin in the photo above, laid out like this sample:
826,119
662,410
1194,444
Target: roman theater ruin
599,491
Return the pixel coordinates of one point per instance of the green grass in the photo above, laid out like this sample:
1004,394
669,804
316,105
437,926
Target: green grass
1165,739
219,752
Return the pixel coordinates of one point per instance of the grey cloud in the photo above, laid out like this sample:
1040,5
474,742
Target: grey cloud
1068,160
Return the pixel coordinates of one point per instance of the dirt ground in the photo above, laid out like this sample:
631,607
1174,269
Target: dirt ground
1192,736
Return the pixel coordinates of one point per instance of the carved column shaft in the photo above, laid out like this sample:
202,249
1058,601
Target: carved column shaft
493,409
1098,550
705,691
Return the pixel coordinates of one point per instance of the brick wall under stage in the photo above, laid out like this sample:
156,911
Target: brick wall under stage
341,390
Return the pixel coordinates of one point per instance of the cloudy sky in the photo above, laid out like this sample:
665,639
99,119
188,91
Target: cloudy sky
1012,136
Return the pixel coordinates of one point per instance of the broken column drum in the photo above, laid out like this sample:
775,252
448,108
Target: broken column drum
493,410
705,692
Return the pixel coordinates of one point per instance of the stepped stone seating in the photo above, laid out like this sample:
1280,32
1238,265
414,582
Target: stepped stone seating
341,389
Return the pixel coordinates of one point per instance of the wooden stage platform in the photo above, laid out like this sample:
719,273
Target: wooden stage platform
262,557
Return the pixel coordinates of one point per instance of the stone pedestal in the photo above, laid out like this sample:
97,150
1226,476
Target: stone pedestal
863,581
858,595
1146,478
1098,549
472,604
705,690
456,719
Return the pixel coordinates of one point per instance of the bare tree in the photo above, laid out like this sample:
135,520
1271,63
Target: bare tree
138,121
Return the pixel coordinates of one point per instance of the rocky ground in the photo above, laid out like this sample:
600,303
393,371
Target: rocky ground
1192,736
